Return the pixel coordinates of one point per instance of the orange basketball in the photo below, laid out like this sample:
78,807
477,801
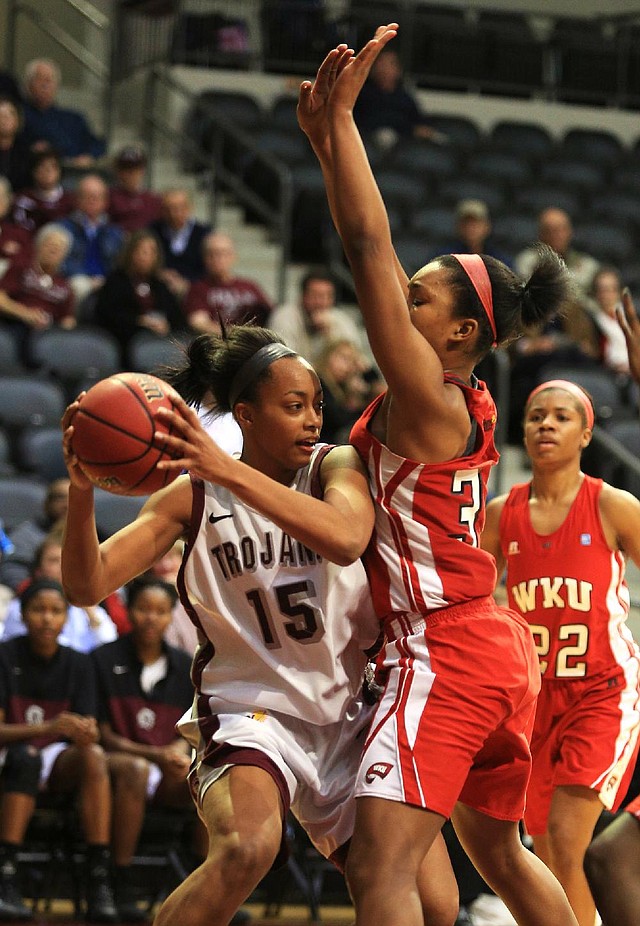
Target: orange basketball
113,430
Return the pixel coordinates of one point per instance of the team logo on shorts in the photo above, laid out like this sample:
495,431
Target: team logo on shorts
377,770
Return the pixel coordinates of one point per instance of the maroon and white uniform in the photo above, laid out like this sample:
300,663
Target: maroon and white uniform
570,587
461,675
279,669
38,290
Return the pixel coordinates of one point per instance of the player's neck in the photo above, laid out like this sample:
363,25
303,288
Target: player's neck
556,486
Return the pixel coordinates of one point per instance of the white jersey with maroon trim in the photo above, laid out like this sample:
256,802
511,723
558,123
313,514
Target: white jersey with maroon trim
424,551
285,629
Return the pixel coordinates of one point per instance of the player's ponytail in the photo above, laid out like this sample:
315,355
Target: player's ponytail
517,305
212,362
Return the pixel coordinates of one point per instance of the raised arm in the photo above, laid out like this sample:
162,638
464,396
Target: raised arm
409,364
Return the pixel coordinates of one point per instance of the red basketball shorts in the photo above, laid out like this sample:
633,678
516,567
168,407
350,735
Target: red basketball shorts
585,733
457,713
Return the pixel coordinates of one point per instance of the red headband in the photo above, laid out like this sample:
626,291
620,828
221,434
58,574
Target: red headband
473,266
573,389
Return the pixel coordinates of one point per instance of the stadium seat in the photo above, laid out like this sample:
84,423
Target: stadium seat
9,357
115,511
40,452
28,401
150,353
21,499
77,358
528,139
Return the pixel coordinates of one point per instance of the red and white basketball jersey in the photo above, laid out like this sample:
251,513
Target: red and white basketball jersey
569,586
285,629
424,551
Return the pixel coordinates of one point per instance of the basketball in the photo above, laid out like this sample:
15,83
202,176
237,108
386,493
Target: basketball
113,430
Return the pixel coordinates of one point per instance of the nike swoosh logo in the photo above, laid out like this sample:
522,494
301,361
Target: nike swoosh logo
214,518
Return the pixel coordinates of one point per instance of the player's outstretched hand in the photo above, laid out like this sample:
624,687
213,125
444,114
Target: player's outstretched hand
77,477
630,324
314,96
196,450
352,75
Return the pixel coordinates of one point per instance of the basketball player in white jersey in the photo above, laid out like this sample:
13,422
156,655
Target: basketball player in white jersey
271,577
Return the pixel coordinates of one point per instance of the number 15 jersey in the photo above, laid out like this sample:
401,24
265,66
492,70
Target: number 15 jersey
281,628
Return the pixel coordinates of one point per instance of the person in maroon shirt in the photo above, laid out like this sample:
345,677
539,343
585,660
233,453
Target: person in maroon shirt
35,295
45,200
220,294
130,205
15,242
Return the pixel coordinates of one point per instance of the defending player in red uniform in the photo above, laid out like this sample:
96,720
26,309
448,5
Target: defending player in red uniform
450,735
563,538
612,861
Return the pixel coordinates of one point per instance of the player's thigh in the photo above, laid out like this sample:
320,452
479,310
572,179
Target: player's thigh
389,834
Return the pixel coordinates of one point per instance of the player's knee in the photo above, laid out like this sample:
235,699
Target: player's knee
131,773
21,772
243,862
596,863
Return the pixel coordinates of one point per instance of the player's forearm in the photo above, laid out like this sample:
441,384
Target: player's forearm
315,523
360,214
81,561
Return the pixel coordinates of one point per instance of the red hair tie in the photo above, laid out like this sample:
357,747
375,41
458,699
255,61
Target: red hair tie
473,265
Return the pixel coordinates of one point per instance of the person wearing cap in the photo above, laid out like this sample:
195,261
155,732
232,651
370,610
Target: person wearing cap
67,130
473,231
131,206
563,538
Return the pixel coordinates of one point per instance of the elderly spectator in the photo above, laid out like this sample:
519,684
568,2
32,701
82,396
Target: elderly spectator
36,295
45,199
96,242
134,297
14,151
44,122
220,294
314,322
131,206
181,237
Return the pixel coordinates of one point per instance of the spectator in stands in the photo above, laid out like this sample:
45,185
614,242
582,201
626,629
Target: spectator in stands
219,294
27,536
473,232
606,298
556,230
134,297
45,199
84,628
96,242
15,241
181,237
49,732
131,206
349,384
14,151
181,632
386,111
144,688
309,326
36,295
66,130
